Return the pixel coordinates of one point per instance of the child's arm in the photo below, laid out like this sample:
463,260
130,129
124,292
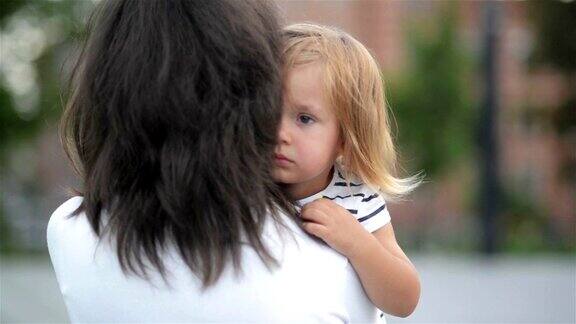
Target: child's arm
387,275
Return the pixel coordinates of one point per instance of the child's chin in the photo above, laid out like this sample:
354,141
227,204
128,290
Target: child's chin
279,176
276,175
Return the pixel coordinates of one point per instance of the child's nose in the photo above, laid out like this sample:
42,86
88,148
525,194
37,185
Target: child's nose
283,132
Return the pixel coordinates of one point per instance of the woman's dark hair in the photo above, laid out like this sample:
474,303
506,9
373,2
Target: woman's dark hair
171,122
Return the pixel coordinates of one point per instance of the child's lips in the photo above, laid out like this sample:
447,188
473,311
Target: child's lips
282,160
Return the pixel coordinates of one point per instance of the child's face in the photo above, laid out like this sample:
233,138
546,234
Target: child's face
309,136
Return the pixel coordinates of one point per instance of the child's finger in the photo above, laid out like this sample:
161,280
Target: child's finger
314,229
314,215
324,205
327,205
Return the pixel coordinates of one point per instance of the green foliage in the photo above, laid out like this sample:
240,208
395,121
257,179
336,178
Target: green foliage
8,7
555,26
430,102
57,23
37,35
5,234
526,227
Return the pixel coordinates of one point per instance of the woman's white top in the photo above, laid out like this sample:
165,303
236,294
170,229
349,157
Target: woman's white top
314,284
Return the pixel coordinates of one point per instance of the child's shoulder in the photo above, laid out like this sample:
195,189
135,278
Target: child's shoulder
348,189
362,201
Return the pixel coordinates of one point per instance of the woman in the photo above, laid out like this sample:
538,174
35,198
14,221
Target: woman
171,124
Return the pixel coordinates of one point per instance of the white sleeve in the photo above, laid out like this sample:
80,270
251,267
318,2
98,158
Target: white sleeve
56,229
373,211
60,232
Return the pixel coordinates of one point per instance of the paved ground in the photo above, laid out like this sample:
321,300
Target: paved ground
454,290
29,292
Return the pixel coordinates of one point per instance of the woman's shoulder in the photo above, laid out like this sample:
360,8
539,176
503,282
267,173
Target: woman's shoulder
68,207
63,212
61,217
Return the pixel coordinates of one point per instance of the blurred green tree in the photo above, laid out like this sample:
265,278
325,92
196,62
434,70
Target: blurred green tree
431,105
554,24
431,99
36,37
31,68
555,30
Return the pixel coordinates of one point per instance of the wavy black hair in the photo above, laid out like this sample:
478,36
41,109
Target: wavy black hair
171,121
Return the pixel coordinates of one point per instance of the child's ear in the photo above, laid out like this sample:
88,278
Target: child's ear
340,147
340,152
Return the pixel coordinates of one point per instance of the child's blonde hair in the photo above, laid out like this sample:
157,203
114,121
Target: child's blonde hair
355,91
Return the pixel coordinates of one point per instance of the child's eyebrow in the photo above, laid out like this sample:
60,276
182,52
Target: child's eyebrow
308,108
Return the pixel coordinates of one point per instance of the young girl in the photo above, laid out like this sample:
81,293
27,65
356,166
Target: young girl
335,144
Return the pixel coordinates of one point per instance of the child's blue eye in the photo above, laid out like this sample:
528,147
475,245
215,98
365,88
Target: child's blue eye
305,119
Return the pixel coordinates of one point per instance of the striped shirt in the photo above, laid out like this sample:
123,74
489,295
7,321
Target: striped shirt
365,204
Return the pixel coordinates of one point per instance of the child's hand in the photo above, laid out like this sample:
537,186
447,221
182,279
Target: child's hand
334,225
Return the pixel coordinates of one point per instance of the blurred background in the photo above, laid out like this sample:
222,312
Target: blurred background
484,101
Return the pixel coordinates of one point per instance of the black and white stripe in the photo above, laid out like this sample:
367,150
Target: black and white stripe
344,184
372,214
365,204
344,197
375,195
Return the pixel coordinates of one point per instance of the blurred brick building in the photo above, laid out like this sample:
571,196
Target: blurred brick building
530,154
